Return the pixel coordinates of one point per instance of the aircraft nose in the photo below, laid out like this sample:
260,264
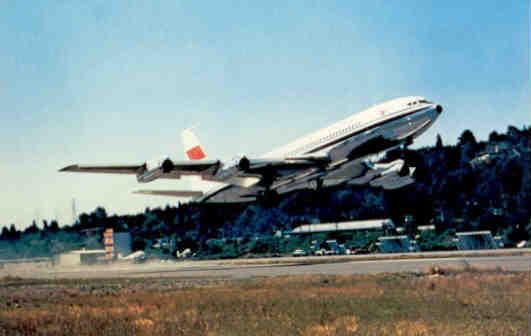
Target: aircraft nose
439,109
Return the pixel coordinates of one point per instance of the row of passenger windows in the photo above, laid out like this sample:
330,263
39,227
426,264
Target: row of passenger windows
323,139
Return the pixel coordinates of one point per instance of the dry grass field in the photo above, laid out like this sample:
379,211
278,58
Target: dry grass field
467,302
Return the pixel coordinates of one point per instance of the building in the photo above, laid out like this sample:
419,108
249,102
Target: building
475,240
367,225
498,147
396,244
81,257
123,244
425,228
117,244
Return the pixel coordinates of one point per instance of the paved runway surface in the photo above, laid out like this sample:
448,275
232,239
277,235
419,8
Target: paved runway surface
227,270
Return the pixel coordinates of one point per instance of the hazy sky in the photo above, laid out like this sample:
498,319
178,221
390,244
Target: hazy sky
116,82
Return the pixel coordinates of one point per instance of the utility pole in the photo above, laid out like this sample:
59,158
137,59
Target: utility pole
74,211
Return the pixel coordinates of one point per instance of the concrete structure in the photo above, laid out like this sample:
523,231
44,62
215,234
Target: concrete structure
510,259
376,224
81,257
475,240
108,242
117,244
396,244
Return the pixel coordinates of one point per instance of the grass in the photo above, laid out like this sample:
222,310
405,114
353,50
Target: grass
440,302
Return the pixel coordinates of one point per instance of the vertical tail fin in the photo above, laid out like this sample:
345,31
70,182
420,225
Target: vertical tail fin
192,147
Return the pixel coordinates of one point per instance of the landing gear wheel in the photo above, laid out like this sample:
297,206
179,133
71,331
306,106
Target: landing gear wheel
316,184
404,171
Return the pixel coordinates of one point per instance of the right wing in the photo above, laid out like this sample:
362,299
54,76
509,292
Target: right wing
171,170
118,169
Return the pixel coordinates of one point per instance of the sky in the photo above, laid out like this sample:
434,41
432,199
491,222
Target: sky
116,82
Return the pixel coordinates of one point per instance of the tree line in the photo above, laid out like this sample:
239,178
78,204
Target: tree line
472,185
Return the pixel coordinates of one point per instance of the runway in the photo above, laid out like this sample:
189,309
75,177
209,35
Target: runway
247,269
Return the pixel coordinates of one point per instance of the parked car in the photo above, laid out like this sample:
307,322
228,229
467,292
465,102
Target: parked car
320,252
522,244
299,253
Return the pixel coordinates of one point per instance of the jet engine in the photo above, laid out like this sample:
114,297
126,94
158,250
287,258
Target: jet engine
244,164
379,172
394,179
154,169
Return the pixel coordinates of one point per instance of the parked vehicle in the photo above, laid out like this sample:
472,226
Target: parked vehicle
320,252
299,253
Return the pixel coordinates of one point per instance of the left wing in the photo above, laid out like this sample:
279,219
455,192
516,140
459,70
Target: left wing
389,176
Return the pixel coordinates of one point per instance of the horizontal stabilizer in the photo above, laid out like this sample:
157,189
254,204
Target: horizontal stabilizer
399,183
170,193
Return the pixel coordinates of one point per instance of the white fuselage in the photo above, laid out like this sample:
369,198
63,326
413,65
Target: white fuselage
397,119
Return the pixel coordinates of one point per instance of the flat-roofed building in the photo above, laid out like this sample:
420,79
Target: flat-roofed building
366,225
475,240
424,228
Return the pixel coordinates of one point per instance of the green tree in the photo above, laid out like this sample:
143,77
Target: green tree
467,137
33,228
13,232
5,233
54,226
495,137
439,142
45,226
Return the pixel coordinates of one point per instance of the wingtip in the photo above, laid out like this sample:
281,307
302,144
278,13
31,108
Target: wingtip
139,192
69,168
145,192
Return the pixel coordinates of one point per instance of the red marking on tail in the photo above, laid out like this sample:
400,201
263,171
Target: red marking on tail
195,153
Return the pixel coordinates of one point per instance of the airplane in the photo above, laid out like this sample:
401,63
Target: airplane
348,152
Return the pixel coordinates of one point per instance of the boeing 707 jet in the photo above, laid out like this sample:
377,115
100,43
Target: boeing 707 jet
345,153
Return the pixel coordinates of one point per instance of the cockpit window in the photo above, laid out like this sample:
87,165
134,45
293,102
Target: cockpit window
421,101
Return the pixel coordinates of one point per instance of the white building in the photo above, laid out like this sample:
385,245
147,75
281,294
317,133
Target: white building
375,224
